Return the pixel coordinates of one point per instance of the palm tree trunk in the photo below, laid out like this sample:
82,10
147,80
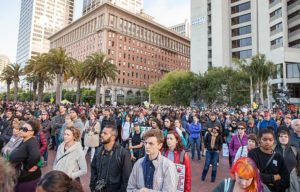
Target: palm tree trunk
58,88
15,91
40,91
8,92
34,87
98,86
78,92
261,91
251,91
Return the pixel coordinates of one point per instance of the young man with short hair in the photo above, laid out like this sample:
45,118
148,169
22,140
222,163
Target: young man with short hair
153,172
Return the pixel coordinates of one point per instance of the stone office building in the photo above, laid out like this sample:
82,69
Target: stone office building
142,50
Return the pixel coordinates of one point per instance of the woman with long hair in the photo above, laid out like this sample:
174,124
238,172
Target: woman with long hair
243,150
174,150
126,130
244,177
213,145
92,130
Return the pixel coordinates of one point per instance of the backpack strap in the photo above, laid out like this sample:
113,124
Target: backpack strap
226,185
181,157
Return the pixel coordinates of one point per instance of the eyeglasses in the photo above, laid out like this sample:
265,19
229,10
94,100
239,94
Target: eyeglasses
217,129
233,123
241,128
25,129
44,114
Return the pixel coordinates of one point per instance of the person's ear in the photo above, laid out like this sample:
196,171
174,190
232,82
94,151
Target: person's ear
160,145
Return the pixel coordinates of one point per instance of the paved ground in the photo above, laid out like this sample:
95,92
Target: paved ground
197,167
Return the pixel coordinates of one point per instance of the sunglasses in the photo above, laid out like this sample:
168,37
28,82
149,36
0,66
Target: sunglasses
25,129
241,128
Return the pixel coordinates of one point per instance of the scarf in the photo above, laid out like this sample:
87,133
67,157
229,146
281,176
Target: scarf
213,139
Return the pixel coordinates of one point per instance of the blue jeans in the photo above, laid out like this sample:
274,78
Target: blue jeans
211,158
193,142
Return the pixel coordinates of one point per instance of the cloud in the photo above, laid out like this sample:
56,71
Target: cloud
168,12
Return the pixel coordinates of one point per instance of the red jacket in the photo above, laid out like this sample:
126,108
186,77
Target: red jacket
40,136
187,164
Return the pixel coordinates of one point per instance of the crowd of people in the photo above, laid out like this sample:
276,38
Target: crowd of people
146,148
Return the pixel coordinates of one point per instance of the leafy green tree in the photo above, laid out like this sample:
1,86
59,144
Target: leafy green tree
100,69
77,72
58,63
15,71
37,75
5,76
174,88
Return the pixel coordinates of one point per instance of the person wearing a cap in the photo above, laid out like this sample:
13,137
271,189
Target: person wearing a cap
268,122
26,157
77,123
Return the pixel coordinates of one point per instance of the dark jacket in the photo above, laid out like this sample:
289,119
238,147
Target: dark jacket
24,158
218,143
106,121
291,159
276,166
295,140
119,164
212,124
7,134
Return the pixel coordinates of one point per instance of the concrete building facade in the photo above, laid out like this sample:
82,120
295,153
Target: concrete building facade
4,61
134,6
182,28
38,20
223,30
142,50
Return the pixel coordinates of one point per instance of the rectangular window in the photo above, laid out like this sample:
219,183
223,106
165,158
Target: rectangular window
295,43
240,7
276,28
294,90
241,31
241,19
293,70
242,42
277,43
275,14
242,54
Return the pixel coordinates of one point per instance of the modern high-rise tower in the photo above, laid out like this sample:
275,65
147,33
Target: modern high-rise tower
227,29
134,6
39,19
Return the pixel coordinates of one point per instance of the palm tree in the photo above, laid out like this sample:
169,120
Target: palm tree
264,69
32,78
99,68
59,64
34,68
15,70
78,75
5,76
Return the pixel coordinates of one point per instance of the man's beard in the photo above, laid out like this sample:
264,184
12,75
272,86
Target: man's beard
105,141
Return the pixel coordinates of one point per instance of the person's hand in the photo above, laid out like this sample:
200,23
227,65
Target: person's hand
130,147
277,177
33,169
132,158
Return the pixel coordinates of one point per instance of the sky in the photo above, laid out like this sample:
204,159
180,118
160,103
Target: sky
165,12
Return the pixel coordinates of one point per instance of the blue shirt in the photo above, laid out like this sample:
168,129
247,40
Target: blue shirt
148,172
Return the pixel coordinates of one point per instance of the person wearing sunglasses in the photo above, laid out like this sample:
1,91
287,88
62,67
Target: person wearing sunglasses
213,145
26,156
238,140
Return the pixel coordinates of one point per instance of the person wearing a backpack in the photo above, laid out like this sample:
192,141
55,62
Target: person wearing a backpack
111,165
244,177
174,150
291,156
